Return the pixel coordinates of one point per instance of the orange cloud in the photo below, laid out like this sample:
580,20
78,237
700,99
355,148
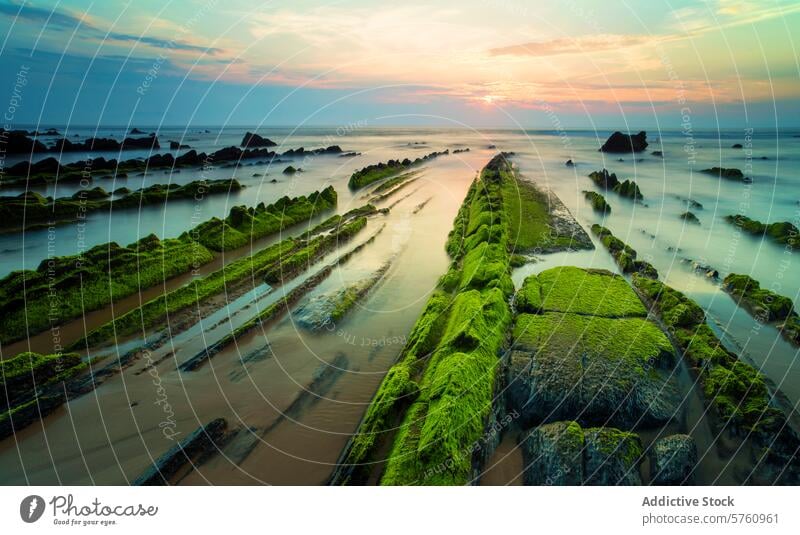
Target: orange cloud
578,45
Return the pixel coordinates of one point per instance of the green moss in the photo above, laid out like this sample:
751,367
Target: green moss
487,266
392,182
761,302
252,267
528,212
157,310
604,179
429,327
373,173
529,297
635,341
736,389
628,189
609,441
243,225
67,287
517,260
397,391
434,444
300,259
30,208
23,374
740,393
623,254
676,309
790,329
595,292
782,232
452,352
597,201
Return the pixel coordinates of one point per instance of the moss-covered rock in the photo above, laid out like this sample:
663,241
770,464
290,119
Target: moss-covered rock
726,173
563,453
529,297
373,173
673,460
553,454
593,292
782,232
80,283
689,217
762,303
22,375
623,254
597,201
612,457
736,390
629,190
591,368
604,179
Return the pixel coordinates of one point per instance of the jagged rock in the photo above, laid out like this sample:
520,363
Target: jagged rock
622,143
251,139
736,146
189,158
689,217
673,459
174,145
569,373
569,163
135,131
203,441
604,179
46,166
629,189
290,170
553,454
727,173
562,453
657,153
17,142
611,457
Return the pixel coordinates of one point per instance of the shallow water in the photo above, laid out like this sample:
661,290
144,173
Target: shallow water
101,438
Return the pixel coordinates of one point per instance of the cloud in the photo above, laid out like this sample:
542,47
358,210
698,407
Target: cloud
578,45
63,20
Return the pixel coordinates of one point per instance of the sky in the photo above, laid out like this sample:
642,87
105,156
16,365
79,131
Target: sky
492,63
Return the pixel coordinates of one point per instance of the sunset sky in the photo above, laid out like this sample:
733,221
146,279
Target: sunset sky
480,63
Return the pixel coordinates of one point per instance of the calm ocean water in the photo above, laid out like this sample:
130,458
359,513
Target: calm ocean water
415,243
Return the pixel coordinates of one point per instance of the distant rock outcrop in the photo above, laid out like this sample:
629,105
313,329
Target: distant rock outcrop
622,143
107,144
251,139
18,142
